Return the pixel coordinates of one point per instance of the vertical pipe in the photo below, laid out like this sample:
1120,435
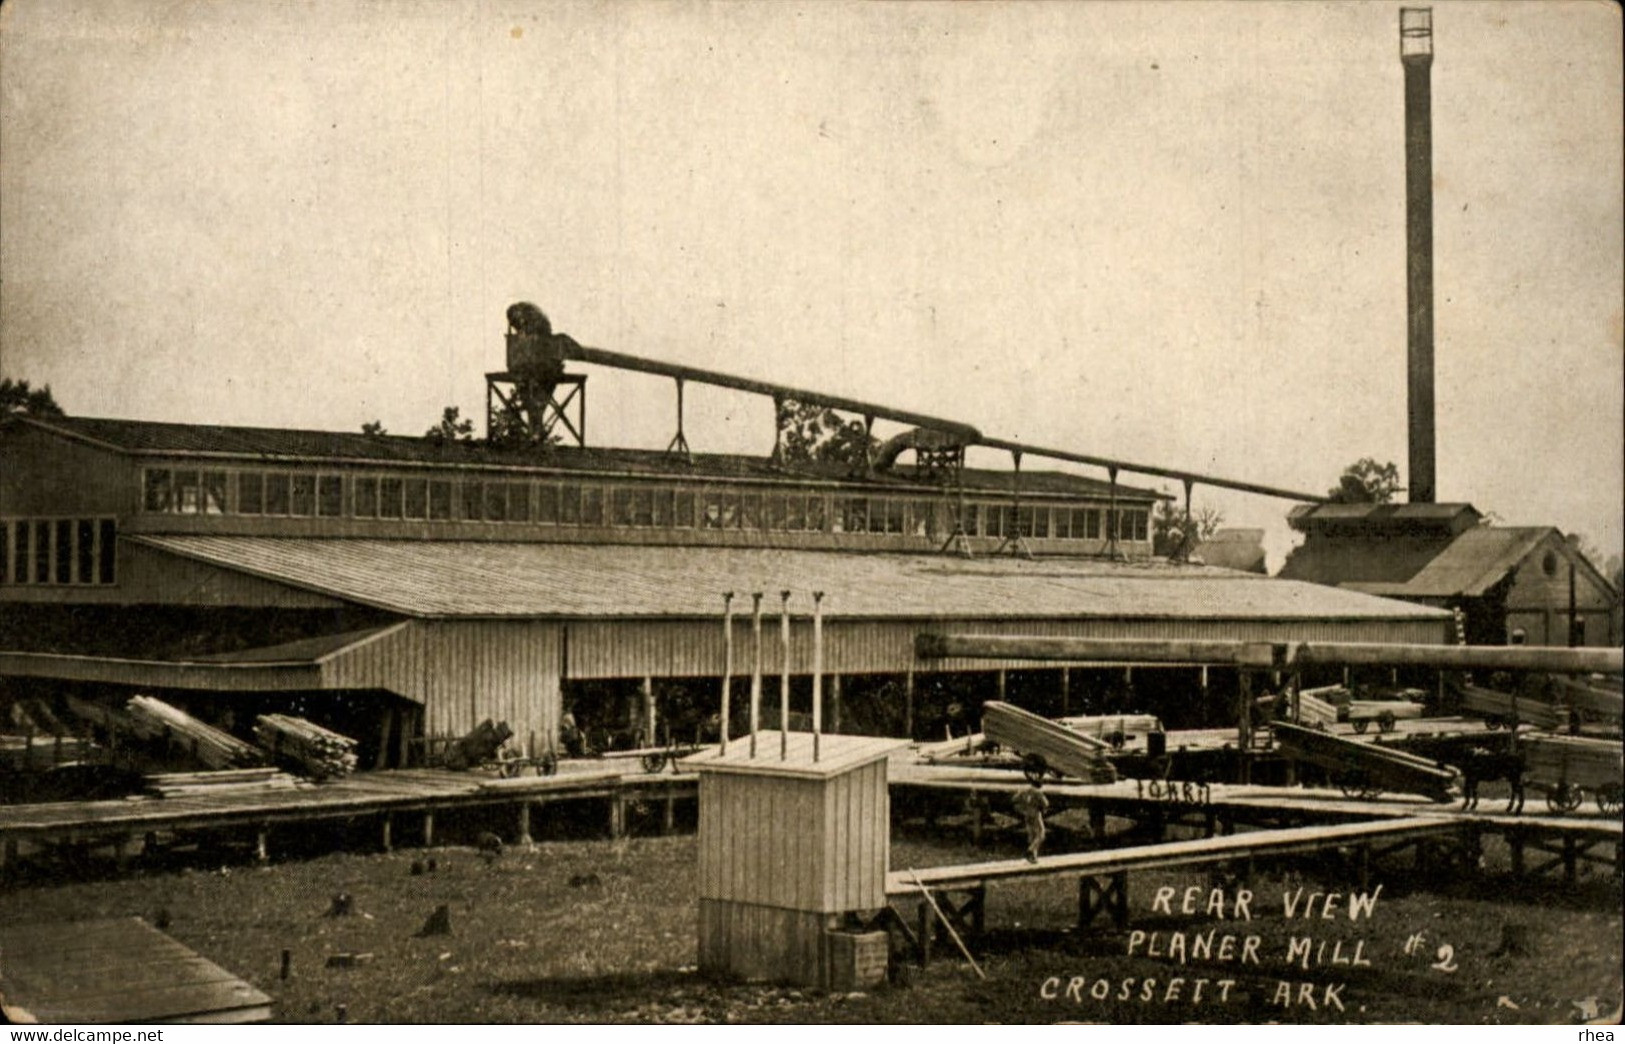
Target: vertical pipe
650,730
1416,55
756,668
784,675
727,664
818,670
908,703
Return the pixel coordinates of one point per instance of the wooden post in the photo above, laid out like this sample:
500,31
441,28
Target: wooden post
927,928
262,847
617,816
1066,691
1244,728
428,830
524,824
388,840
668,816
835,703
908,703
651,736
1001,685
382,760
727,664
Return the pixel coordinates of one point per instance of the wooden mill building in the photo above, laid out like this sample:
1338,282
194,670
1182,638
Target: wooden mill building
402,589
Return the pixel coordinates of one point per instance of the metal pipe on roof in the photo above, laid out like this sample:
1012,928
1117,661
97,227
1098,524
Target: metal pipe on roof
818,670
569,349
756,669
1149,469
784,675
727,664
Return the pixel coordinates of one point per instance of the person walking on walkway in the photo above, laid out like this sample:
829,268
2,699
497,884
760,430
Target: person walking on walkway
1031,804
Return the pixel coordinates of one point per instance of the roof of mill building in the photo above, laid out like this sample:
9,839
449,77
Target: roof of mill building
529,580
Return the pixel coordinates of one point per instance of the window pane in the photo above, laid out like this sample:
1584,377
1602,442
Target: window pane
661,508
815,513
106,550
496,501
570,504
303,501
773,511
712,518
642,507
473,501
621,499
750,511
250,493
795,512
519,502
330,499
592,506
276,494
157,494
439,499
417,498
19,554
42,552
366,497
188,497
64,551
85,547
547,503
389,497
894,516
682,514
1041,521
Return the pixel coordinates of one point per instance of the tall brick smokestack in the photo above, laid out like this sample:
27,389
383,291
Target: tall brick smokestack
1416,54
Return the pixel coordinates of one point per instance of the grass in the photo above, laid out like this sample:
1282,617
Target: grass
603,931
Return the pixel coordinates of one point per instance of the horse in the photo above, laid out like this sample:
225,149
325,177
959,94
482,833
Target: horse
1481,764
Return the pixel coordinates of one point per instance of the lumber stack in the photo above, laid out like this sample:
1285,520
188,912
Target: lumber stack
224,781
1382,766
1490,703
318,753
1592,700
1574,759
964,745
155,719
1102,726
1063,750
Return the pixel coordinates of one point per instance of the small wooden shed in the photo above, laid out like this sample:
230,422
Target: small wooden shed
788,845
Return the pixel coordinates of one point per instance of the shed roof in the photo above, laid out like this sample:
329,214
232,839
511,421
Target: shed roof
836,754
268,445
480,579
1472,563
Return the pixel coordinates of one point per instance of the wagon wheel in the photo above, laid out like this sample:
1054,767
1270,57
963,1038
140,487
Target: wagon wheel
1492,722
1565,797
1355,783
509,769
546,765
1360,725
1609,798
1385,721
654,762
1034,767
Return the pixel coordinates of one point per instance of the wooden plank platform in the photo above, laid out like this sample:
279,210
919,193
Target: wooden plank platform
117,971
1168,853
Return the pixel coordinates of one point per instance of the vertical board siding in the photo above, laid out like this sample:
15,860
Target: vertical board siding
758,943
44,474
505,670
694,648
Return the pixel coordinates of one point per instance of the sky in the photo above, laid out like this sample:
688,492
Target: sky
1171,233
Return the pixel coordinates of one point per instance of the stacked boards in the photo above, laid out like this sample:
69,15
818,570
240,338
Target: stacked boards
1368,768
1047,746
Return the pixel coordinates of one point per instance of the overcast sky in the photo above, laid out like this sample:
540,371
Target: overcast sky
1172,233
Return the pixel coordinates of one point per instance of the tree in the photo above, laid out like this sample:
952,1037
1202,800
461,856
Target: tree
374,428
18,397
810,432
1169,536
452,427
1366,482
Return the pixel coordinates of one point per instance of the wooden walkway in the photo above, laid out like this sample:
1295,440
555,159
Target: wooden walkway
1106,862
381,795
118,971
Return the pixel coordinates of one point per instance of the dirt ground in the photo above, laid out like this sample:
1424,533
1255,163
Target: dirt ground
604,931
